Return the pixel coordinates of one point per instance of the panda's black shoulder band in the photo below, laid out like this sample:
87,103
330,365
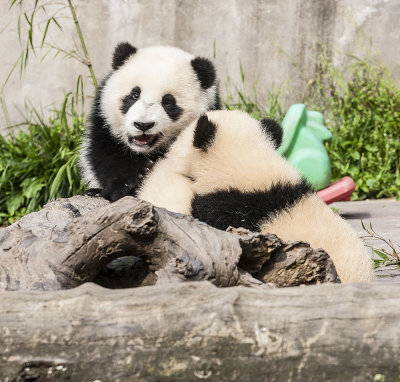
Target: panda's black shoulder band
204,133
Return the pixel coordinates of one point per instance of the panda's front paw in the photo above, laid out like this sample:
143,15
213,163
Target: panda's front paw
116,194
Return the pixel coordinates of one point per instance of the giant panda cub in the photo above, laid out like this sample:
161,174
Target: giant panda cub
150,95
224,170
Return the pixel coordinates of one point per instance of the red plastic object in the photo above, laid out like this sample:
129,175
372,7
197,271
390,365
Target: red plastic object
339,190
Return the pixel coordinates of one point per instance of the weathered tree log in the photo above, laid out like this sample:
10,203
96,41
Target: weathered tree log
73,241
195,331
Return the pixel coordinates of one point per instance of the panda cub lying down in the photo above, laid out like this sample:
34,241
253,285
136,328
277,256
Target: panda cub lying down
224,170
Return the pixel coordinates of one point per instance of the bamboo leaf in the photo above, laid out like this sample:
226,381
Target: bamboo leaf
12,3
382,255
241,72
45,32
26,57
30,38
56,22
56,182
27,19
79,93
69,177
19,29
21,63
12,70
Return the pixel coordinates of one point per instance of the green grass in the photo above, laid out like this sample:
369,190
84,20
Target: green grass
242,99
39,163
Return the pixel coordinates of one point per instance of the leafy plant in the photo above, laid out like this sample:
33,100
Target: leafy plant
385,257
39,164
28,16
382,378
362,109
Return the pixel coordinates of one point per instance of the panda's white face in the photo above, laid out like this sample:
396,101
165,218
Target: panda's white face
153,96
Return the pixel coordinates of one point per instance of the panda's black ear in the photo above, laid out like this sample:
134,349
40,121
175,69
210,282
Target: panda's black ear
204,133
122,51
205,71
273,129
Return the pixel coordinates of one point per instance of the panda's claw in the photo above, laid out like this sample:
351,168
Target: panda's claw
93,192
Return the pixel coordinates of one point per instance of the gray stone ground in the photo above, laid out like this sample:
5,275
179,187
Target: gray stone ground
384,214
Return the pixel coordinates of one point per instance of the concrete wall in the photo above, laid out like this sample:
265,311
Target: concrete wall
275,39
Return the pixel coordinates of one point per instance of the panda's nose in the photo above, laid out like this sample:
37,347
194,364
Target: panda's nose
144,126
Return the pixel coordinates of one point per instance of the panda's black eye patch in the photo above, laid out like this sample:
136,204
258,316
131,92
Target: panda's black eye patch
130,99
136,94
168,100
173,111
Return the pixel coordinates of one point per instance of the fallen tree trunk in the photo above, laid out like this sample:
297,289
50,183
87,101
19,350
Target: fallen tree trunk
195,331
130,243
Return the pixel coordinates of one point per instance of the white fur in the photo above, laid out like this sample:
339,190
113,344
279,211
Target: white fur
85,167
312,221
168,185
166,188
242,156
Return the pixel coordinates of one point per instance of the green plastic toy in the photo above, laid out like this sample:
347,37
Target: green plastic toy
304,134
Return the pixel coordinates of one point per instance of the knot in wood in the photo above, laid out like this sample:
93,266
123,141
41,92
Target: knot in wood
142,222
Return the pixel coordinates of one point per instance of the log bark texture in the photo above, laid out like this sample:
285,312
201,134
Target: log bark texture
195,331
131,243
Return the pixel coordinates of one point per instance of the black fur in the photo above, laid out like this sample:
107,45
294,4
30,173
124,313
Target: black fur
273,129
173,111
222,209
204,133
118,170
121,53
130,99
217,102
205,71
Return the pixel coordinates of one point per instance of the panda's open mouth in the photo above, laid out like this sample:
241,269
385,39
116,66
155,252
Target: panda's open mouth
143,139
